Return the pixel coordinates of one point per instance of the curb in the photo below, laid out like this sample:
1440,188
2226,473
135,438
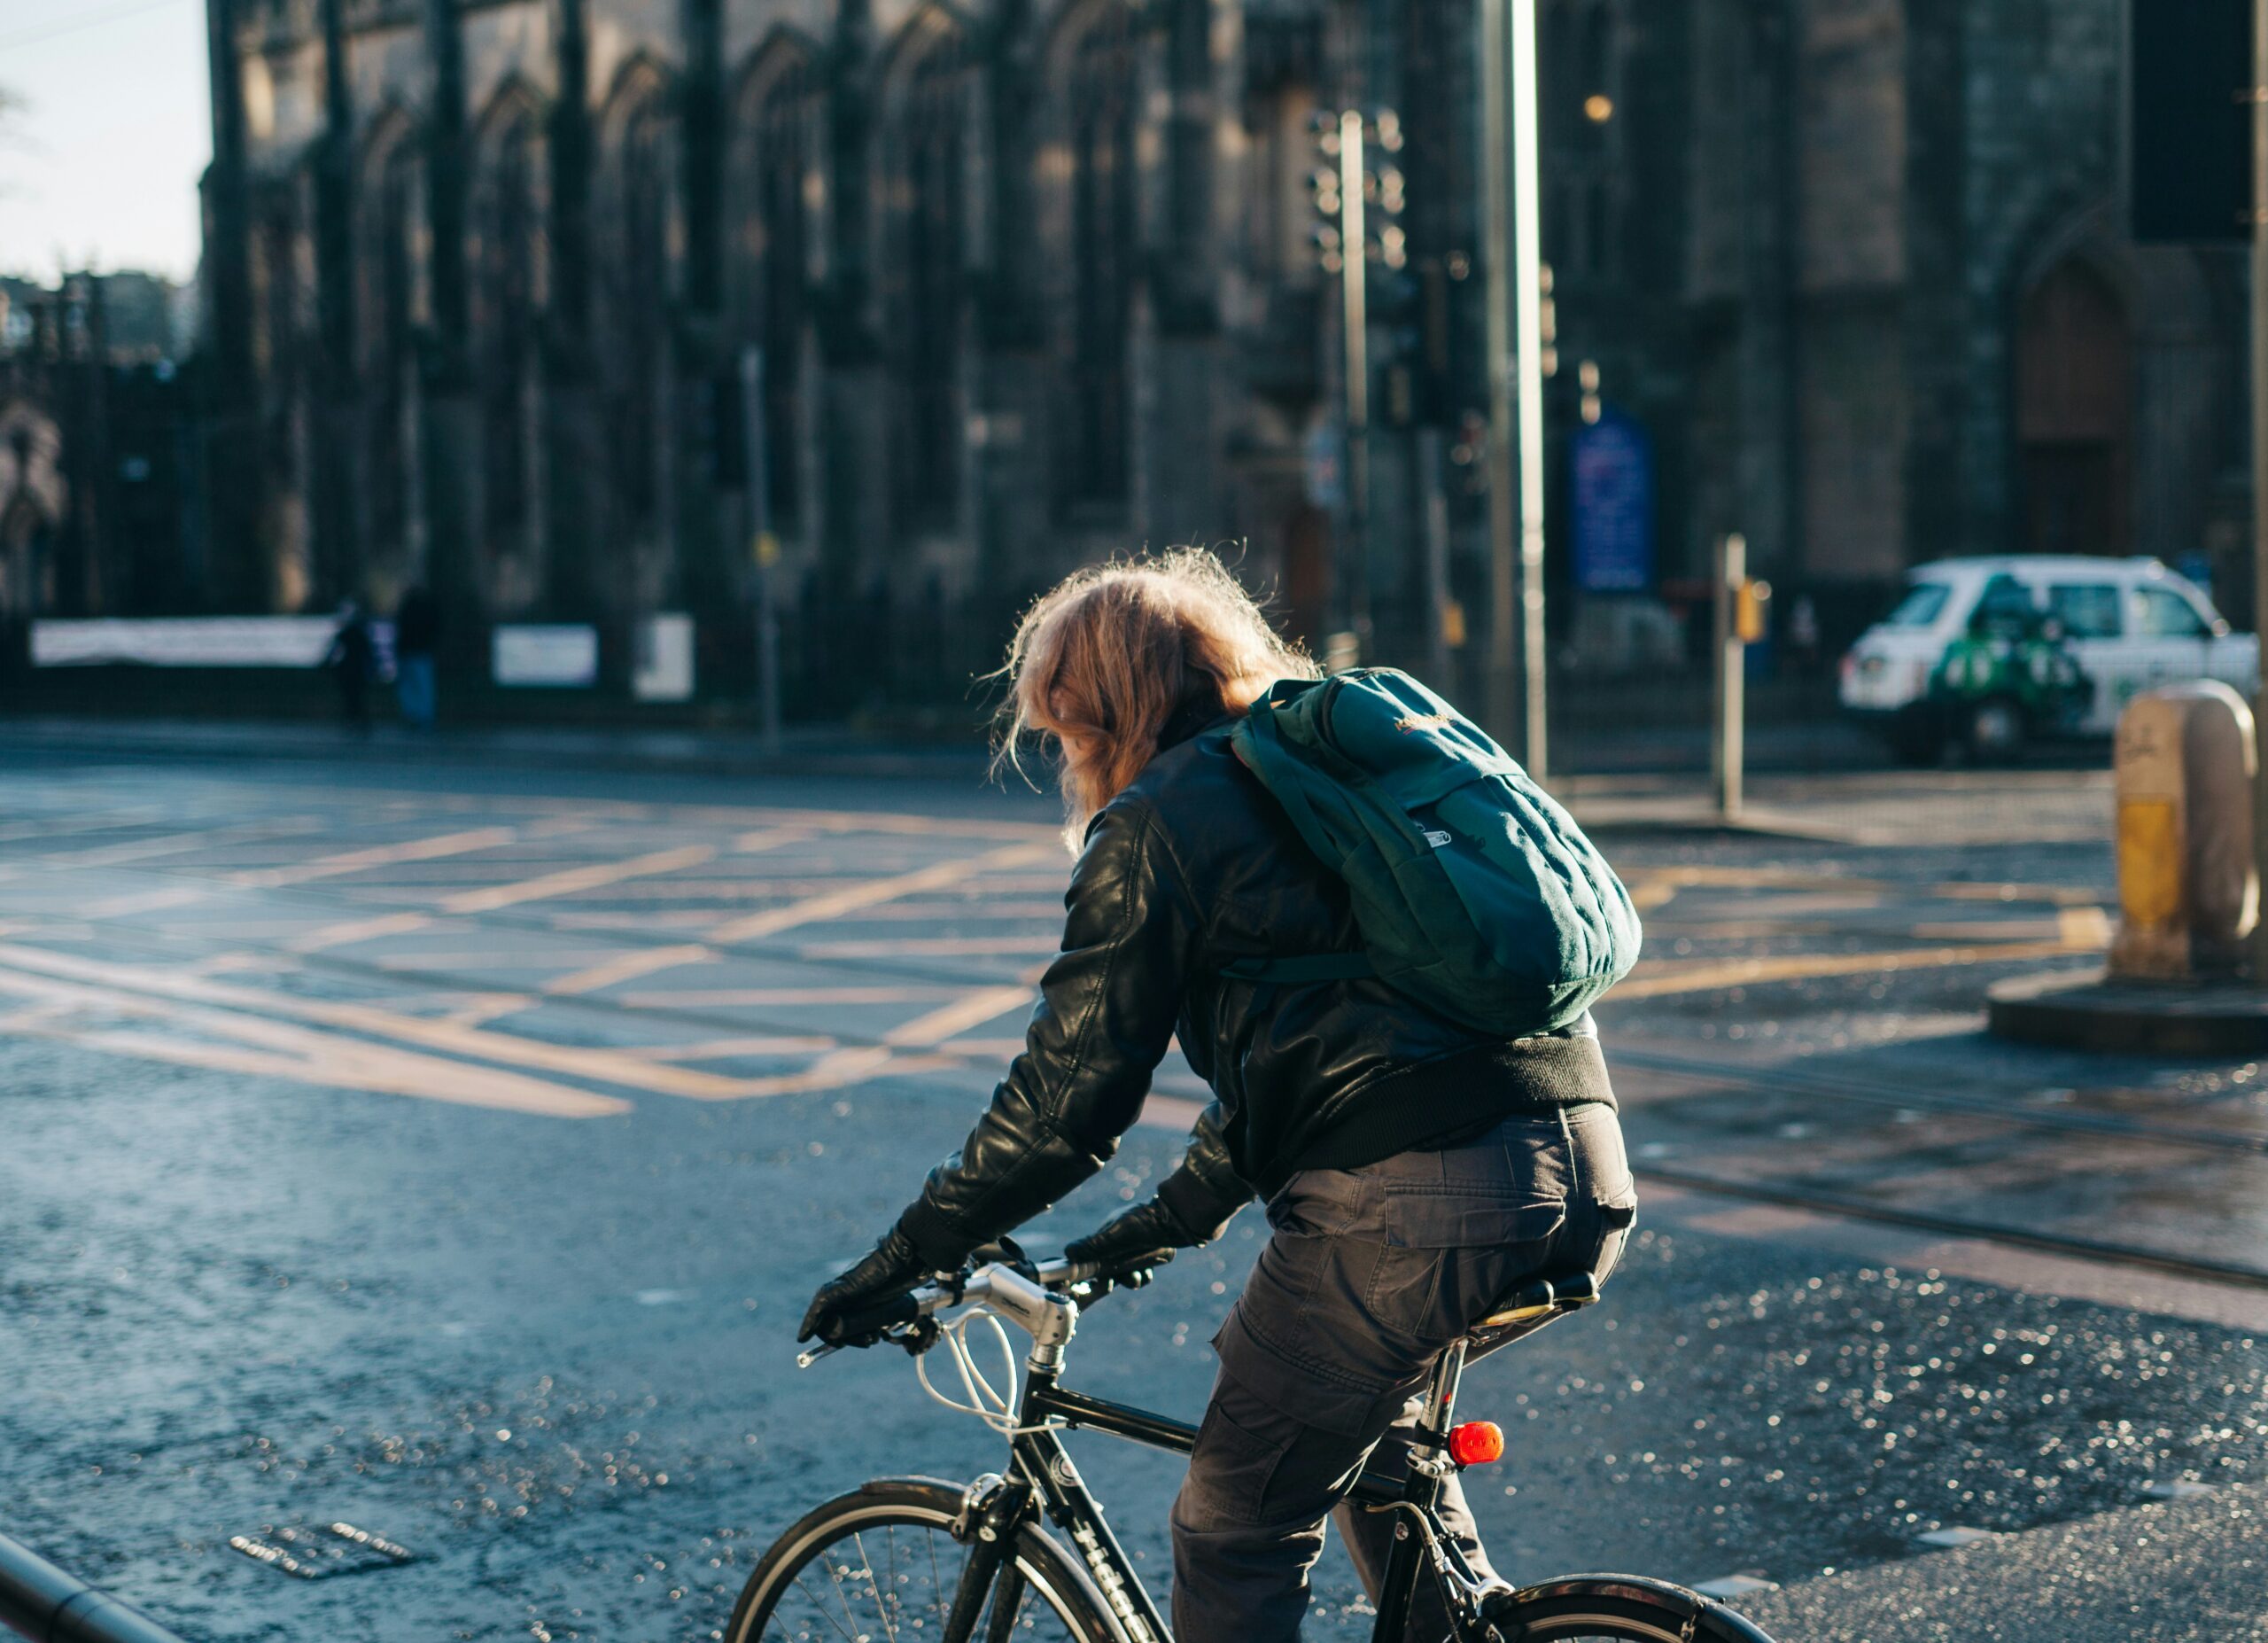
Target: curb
2089,1012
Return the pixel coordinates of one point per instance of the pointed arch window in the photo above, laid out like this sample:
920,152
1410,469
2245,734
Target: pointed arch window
779,158
393,226
507,290
1103,249
927,282
636,299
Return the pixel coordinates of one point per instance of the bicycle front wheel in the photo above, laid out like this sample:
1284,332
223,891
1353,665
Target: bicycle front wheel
882,1566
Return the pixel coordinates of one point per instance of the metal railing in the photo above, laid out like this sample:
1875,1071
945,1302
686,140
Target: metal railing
41,1601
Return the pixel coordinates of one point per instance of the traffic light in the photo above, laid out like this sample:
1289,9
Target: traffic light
2191,140
1384,191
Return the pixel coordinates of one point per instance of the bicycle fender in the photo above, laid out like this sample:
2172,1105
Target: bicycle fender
1638,1589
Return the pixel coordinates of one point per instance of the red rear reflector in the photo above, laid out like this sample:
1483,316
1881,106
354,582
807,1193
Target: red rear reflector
1476,1443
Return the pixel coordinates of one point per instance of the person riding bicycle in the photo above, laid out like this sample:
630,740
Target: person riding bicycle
1414,1170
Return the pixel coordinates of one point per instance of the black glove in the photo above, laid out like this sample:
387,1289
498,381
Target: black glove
891,1268
1121,1241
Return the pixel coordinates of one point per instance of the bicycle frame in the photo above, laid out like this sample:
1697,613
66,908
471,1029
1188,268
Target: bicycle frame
1048,1481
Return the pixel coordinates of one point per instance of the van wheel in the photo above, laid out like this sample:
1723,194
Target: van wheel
1997,732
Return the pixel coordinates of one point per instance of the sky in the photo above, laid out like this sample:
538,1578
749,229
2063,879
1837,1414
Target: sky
100,170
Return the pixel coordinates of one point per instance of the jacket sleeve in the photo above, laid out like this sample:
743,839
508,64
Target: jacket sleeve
1105,1013
1205,1190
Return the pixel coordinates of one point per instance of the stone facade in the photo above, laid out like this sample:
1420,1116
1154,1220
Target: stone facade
1031,284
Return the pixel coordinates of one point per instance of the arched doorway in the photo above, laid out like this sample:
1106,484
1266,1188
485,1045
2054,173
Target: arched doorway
2075,413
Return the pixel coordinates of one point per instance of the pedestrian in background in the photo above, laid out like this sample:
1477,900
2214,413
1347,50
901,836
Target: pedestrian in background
350,659
417,626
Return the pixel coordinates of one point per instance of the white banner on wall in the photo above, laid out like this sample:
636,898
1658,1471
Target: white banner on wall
664,669
547,655
193,642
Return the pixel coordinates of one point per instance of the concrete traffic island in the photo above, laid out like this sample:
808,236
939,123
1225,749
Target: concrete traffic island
2091,1010
2177,983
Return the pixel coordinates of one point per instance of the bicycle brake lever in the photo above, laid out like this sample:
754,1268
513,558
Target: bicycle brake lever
804,1360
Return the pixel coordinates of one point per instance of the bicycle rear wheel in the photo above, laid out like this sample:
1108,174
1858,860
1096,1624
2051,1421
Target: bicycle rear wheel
882,1566
1619,1609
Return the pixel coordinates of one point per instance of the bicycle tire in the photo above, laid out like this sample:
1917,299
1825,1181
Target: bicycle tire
1619,1609
928,1507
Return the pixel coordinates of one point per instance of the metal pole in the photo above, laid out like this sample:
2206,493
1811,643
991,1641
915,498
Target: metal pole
764,546
1495,203
1727,752
2260,99
41,1601
1527,230
1355,316
1437,559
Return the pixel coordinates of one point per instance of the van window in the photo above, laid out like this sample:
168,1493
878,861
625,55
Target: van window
2167,615
1920,606
2088,610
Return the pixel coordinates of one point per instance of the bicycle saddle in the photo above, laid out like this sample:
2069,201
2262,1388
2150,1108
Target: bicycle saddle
1543,1296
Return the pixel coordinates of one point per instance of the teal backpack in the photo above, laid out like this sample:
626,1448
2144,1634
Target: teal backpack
1475,893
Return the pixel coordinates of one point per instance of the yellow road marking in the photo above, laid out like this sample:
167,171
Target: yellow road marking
51,827
484,1007
146,901
2054,895
984,1049
626,967
725,1049
471,1042
1707,976
933,946
530,957
170,844
238,963
771,838
977,1008
833,904
758,998
1653,887
377,855
357,930
2083,927
571,880
263,1047
1049,914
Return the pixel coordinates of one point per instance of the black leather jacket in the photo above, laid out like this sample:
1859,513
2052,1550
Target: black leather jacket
1190,869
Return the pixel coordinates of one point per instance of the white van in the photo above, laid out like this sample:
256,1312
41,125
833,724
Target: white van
2129,625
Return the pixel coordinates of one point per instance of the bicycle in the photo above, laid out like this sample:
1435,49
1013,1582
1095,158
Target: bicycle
920,1560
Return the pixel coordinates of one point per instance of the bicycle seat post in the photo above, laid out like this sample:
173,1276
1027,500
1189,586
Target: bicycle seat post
1440,1391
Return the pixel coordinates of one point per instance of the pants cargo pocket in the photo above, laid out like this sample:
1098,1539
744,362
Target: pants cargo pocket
1230,1469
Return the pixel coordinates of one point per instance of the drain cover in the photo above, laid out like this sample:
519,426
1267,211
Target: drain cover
321,1552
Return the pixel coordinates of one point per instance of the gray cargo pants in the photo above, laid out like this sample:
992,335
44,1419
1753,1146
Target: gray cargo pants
1371,1272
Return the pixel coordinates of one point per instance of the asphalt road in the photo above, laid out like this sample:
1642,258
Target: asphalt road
449,1150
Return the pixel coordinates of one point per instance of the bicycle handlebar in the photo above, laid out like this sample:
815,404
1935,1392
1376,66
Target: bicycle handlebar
870,1325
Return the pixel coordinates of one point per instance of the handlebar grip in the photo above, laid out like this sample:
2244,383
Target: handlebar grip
1087,1272
848,1326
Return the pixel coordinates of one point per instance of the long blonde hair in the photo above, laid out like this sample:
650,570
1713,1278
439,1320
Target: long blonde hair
1105,660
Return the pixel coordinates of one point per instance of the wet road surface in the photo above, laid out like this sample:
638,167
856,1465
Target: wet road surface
450,1153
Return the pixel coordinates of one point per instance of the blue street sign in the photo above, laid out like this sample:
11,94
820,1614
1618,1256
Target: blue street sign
1613,505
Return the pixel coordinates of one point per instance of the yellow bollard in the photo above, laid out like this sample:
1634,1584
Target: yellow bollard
2188,895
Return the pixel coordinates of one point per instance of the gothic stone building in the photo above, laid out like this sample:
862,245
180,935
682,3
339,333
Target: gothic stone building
1031,283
